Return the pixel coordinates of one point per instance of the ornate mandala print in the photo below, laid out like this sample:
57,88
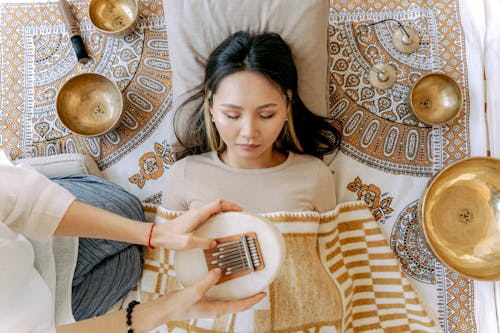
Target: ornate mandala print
138,63
377,126
408,243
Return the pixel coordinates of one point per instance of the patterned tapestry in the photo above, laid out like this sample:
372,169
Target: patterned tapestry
37,59
387,155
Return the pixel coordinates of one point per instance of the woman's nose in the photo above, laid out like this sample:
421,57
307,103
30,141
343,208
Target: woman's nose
249,127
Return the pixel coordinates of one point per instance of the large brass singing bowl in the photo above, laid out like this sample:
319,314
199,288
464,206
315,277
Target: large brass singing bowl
114,17
89,104
435,98
459,214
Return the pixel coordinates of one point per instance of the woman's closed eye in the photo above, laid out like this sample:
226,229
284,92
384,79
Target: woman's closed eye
231,115
266,115
235,115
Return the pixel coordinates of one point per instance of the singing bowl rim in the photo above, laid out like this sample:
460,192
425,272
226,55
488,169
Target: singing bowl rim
448,79
114,33
113,125
423,226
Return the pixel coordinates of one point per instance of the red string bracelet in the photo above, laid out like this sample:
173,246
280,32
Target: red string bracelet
151,234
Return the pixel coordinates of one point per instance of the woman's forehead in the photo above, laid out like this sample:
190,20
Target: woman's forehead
245,84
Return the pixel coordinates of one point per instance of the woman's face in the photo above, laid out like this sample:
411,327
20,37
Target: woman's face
249,113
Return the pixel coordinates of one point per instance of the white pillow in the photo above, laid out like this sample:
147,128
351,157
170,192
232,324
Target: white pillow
196,27
61,164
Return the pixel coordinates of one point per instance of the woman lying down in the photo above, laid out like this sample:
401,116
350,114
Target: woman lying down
254,142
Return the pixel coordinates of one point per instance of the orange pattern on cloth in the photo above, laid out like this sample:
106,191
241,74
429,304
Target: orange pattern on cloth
375,295
378,128
384,145
37,59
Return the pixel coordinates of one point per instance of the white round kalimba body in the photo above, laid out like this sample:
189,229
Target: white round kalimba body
190,266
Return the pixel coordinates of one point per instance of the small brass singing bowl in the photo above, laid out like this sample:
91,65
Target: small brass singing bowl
435,98
459,215
115,18
90,104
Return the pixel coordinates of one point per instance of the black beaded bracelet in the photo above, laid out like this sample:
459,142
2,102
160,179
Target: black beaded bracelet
130,308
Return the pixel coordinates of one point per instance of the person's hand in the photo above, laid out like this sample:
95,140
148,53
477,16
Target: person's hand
190,302
176,234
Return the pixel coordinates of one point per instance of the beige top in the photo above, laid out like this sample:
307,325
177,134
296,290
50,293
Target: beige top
301,183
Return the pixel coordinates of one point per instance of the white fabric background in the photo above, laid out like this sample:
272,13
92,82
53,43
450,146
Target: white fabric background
492,68
482,37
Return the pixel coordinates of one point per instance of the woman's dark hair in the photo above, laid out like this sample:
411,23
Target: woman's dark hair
266,54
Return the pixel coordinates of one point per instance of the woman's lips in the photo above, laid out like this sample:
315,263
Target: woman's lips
248,146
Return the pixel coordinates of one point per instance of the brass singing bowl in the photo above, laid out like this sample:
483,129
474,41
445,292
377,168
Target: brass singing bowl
114,17
459,215
89,104
435,98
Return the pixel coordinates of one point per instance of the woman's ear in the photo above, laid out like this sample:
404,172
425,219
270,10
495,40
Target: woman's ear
210,110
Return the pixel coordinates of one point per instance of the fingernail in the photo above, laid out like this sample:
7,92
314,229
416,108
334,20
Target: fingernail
217,270
214,243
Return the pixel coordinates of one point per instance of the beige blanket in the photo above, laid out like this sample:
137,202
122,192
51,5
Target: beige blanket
339,276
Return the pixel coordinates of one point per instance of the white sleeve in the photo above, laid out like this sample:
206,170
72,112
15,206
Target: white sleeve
324,199
31,204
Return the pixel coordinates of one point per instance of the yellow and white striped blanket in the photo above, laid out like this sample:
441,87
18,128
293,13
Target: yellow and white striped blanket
339,276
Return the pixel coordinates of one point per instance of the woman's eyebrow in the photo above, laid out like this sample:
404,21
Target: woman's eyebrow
268,105
234,106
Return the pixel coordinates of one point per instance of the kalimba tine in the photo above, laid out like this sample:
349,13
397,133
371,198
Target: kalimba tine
236,255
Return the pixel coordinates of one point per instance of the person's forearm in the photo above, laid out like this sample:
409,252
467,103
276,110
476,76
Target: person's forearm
187,303
84,220
145,317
